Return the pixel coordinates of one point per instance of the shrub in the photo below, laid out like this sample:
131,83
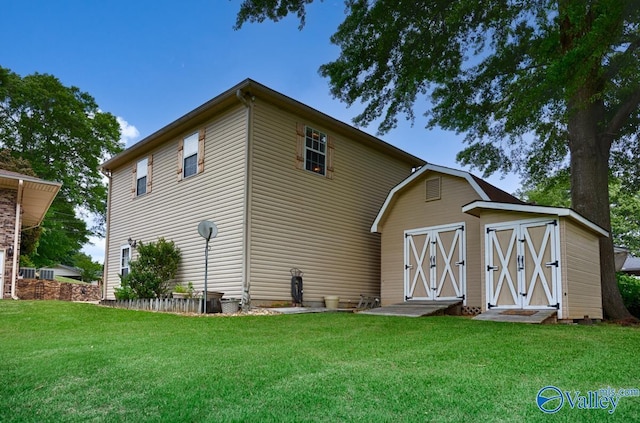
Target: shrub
124,292
630,290
184,289
153,270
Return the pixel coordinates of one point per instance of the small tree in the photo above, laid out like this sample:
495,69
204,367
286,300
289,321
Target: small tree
151,272
91,270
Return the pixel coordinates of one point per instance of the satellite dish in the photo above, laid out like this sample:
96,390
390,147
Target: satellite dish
207,229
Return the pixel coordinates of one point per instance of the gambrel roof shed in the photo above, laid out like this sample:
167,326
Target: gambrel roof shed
485,190
447,235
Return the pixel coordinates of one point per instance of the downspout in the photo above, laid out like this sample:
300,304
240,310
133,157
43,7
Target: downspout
16,234
246,227
106,237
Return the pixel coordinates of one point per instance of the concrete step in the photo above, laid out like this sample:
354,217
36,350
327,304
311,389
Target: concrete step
417,309
520,316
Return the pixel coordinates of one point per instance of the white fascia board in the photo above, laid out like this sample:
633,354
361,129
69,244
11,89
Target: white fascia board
527,208
417,174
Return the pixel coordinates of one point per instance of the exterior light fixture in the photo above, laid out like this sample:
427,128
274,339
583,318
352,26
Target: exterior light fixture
132,242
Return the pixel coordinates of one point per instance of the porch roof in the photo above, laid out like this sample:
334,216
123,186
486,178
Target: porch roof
34,194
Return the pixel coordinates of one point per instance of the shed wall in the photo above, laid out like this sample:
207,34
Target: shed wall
581,272
174,208
411,211
579,264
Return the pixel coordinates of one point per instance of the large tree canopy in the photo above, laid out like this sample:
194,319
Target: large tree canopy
534,85
625,206
64,136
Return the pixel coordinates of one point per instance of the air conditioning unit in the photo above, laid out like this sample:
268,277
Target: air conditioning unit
46,274
27,273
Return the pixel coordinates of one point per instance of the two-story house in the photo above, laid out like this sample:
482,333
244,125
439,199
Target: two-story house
287,186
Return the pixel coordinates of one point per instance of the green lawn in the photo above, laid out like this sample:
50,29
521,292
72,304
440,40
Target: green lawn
77,362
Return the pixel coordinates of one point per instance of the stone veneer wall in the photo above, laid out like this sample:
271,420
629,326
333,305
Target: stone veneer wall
37,289
7,231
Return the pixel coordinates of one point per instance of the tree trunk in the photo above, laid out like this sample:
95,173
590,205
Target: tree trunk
590,148
590,151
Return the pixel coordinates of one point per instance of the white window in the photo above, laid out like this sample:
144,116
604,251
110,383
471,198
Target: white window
190,155
125,257
141,176
315,151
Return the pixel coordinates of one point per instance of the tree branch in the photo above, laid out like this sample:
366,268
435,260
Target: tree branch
613,70
623,112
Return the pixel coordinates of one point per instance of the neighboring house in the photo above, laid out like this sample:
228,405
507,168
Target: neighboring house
288,187
631,265
620,255
447,234
24,201
64,271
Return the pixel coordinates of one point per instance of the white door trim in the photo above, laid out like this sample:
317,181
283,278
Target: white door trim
527,255
441,257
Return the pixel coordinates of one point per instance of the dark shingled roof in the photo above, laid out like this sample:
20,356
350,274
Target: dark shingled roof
495,193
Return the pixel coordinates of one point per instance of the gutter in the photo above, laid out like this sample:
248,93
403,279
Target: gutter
246,227
106,173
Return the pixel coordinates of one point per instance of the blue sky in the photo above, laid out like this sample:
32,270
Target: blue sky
150,62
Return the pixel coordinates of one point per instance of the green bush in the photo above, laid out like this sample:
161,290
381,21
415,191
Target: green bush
124,292
151,272
630,290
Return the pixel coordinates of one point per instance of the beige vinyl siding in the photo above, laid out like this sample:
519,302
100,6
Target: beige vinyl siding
579,264
174,208
500,216
305,220
581,253
411,210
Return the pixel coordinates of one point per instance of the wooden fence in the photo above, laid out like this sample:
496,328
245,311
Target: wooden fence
174,305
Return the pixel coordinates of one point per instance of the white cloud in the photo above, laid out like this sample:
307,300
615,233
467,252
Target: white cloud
128,132
95,248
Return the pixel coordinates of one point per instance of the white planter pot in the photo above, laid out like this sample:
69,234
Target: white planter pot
331,302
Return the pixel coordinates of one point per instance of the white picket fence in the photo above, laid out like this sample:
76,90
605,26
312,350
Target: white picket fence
174,305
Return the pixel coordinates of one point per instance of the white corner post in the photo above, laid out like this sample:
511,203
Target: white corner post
16,237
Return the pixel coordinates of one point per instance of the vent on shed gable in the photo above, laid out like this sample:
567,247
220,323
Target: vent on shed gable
433,189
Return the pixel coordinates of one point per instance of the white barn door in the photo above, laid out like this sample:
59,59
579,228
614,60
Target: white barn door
434,263
522,265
